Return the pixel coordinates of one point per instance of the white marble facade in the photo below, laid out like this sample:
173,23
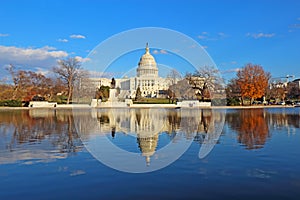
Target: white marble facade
146,79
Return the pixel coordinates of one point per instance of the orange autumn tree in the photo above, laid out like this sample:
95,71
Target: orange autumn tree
252,81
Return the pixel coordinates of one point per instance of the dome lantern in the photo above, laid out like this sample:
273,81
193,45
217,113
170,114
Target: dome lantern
147,65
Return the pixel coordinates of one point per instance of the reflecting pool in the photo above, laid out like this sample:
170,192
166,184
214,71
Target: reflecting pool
186,154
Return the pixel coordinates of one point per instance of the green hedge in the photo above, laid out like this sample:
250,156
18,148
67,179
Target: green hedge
219,102
154,101
11,103
233,102
60,99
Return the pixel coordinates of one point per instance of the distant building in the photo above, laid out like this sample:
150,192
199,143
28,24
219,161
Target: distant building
297,83
147,79
294,89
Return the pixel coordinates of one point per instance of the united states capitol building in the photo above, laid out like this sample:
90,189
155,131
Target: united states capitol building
147,79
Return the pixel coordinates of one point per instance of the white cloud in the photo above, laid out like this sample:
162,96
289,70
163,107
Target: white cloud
77,36
202,37
97,74
212,37
30,57
30,53
295,26
222,35
80,59
234,70
260,35
195,46
163,51
42,71
63,40
155,51
4,35
48,48
159,51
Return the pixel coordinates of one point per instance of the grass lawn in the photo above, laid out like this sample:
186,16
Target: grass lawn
153,101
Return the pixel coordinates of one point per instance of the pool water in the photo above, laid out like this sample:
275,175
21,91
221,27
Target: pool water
53,154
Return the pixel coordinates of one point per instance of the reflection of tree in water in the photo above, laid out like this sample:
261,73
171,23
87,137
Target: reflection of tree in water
202,128
138,117
113,132
190,122
33,127
294,120
173,120
103,119
282,119
205,121
68,140
251,126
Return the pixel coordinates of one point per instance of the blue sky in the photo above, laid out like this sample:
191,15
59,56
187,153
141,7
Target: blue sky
34,34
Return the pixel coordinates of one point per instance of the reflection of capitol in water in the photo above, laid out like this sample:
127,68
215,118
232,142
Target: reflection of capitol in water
147,124
139,121
147,145
53,133
150,121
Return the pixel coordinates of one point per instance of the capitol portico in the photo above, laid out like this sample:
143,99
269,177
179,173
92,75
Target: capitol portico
146,79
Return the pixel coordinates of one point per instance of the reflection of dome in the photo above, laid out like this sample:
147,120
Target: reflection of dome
148,146
147,65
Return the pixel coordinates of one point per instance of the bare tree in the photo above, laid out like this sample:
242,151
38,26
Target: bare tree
182,90
174,76
232,89
293,90
204,81
69,70
12,70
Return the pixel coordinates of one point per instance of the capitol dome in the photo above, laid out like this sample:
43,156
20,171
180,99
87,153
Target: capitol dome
147,65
